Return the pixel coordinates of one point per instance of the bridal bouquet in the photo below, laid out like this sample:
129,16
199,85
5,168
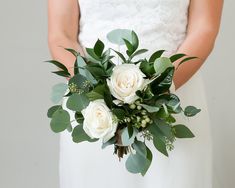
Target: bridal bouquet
125,104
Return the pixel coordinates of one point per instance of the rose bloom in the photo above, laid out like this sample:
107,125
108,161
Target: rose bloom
125,80
99,122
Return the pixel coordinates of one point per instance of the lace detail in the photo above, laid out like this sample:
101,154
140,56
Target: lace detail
160,24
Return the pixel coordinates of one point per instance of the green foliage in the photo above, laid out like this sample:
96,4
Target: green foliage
156,55
176,57
160,146
58,92
191,111
161,64
141,160
150,109
98,48
60,121
77,102
116,36
79,135
52,110
162,83
126,139
181,131
186,60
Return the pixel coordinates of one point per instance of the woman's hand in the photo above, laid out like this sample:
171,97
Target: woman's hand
203,27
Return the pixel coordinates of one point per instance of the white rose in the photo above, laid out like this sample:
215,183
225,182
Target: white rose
125,80
99,122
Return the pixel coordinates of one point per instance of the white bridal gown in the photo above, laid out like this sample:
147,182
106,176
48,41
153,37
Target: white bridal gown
160,24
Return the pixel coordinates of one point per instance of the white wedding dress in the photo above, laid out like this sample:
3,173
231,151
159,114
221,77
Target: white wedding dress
160,24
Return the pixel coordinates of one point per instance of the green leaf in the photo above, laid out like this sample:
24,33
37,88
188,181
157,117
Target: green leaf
62,73
81,82
120,55
191,111
120,113
59,65
58,92
160,146
181,131
72,51
138,52
96,71
136,163
126,140
75,67
130,47
140,148
83,71
148,162
176,57
99,47
150,109
109,142
161,64
147,68
163,82
52,110
185,60
77,102
135,40
116,36
92,54
99,92
79,135
156,55
60,121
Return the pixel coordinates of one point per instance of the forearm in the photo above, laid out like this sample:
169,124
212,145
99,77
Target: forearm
58,52
199,44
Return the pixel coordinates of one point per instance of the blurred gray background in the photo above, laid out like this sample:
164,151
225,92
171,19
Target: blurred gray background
29,150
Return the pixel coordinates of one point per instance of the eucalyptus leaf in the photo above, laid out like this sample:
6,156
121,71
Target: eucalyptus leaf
116,36
148,161
191,111
181,131
109,142
160,146
77,102
60,121
58,92
140,148
161,64
126,140
79,135
136,163
52,110
150,109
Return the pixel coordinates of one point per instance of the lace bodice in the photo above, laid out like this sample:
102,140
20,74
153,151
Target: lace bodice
160,24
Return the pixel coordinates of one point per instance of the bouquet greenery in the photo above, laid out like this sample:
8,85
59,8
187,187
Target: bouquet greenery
124,104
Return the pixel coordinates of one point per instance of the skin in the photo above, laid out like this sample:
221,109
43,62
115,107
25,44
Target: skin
203,26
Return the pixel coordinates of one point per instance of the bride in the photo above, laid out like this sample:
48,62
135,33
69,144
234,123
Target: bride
178,26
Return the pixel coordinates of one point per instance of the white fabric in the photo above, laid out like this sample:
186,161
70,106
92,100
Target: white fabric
160,24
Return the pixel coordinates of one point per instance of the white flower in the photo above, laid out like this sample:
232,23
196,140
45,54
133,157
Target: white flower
125,80
99,122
